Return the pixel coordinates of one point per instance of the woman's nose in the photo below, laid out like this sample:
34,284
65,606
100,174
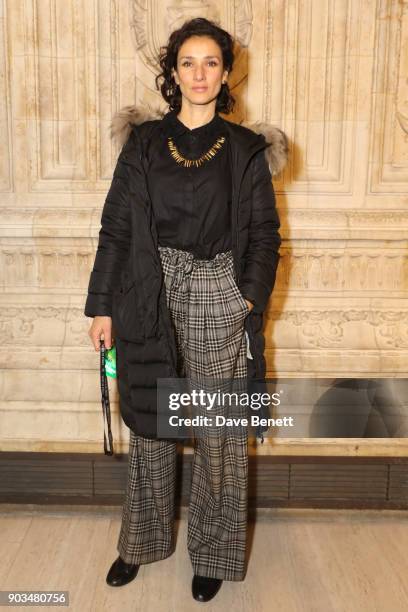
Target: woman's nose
199,73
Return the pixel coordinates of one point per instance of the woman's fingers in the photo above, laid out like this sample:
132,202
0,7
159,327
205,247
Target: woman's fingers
101,329
107,337
95,335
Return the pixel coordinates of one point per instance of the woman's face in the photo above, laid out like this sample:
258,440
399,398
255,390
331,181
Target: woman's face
199,70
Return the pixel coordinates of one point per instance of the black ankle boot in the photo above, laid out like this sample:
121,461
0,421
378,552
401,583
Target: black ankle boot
121,573
205,588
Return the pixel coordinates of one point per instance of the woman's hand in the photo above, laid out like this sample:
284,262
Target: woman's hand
249,304
101,328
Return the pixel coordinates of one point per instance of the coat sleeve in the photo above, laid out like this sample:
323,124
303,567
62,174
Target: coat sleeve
262,256
114,239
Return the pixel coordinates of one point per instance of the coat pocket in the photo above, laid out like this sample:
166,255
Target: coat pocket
127,313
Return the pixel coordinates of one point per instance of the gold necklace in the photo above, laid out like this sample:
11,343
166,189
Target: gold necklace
197,162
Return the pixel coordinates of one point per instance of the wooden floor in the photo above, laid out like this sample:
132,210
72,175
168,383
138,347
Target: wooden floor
301,560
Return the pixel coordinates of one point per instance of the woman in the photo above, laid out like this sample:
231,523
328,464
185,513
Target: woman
186,262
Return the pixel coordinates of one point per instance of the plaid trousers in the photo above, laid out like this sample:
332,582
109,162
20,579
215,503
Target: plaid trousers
208,313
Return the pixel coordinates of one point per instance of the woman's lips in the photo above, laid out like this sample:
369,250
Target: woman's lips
199,88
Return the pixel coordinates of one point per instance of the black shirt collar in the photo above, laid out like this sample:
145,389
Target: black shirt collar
172,126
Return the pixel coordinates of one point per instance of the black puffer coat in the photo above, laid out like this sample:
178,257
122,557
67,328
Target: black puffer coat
126,282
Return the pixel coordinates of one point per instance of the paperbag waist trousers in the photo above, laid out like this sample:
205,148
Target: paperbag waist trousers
208,313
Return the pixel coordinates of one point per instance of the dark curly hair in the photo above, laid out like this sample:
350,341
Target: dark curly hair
168,61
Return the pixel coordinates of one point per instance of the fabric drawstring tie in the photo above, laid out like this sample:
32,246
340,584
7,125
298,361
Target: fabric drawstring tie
106,413
183,265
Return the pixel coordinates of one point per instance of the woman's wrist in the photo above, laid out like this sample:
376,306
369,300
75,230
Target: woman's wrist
249,304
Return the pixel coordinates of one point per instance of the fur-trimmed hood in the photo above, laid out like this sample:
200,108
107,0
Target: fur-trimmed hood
276,154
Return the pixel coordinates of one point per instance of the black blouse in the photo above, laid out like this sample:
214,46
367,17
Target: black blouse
191,205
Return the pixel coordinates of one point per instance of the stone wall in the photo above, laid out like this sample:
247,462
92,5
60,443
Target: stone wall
332,75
